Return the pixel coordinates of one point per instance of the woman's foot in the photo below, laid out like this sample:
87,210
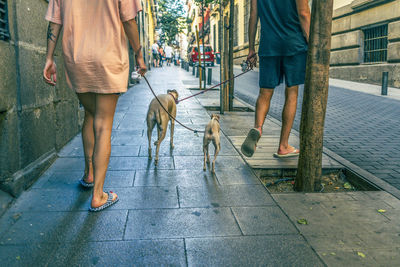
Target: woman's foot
87,181
106,200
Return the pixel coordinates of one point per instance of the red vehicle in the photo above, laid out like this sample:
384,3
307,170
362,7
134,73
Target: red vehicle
208,56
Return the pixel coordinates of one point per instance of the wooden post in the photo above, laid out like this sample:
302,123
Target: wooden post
230,72
315,98
220,38
198,50
225,49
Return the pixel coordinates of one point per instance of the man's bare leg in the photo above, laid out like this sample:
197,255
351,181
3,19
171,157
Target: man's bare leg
103,121
262,107
288,115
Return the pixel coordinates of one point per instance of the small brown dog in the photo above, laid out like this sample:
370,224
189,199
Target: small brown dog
157,115
211,133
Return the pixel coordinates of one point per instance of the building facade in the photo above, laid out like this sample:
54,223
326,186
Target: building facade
365,38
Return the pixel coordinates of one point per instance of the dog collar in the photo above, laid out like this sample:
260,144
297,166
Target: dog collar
176,100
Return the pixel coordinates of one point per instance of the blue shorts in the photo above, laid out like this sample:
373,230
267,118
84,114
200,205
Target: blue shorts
272,70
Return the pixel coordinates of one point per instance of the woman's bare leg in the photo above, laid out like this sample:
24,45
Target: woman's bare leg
103,121
88,102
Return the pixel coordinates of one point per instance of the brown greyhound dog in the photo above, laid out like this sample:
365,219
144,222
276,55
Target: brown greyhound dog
157,115
211,133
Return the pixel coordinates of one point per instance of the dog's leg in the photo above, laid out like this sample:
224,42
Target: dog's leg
172,133
150,127
217,146
205,149
173,113
160,139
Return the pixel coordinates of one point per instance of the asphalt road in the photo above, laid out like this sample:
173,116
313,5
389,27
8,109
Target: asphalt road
360,127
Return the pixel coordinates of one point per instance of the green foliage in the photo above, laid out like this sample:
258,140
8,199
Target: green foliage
205,2
172,19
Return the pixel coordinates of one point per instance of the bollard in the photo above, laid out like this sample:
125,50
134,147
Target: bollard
197,72
385,79
193,70
209,76
203,74
187,66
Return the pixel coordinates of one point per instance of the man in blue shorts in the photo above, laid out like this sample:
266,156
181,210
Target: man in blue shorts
285,26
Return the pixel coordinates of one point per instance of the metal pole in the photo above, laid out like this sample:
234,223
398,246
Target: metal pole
220,33
198,73
385,78
230,75
209,76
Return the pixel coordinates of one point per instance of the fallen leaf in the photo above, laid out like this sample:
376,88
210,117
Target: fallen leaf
323,254
347,185
18,257
333,253
362,255
302,221
382,211
337,187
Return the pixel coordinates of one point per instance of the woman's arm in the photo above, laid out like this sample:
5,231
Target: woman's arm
50,70
131,31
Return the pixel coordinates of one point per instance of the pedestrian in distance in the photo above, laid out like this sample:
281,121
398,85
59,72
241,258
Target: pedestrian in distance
156,58
285,27
97,69
168,54
161,55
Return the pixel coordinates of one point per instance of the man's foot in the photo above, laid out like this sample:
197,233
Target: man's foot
249,145
288,152
106,200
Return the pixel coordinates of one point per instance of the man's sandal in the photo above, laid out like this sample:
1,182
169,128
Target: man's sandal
249,145
109,202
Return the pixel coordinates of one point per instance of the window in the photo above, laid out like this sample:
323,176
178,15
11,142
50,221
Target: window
375,44
246,19
4,33
236,28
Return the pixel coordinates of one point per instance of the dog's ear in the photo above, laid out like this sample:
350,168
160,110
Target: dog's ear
169,91
216,115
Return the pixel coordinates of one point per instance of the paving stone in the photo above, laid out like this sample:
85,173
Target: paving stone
280,250
58,227
174,178
70,179
263,221
242,175
224,196
178,223
140,163
121,253
26,254
196,162
346,257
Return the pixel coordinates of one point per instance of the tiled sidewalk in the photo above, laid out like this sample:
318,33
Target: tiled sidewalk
174,214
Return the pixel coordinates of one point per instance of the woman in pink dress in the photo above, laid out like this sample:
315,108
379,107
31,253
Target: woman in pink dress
97,68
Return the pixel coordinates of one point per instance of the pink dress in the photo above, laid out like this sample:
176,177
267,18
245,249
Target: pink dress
95,47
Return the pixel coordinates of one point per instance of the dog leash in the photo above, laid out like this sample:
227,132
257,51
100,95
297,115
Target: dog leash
180,123
245,68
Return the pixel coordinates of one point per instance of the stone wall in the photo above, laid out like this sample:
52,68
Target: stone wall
36,120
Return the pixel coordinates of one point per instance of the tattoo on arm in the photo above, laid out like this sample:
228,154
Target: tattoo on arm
50,35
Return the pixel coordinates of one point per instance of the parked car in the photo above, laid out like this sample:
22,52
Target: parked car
193,55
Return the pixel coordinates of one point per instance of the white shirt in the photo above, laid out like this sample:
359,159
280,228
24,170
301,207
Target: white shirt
154,48
168,51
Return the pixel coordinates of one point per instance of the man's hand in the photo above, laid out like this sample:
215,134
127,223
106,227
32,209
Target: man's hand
252,58
50,72
140,62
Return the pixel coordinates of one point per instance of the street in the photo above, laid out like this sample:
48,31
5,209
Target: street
360,127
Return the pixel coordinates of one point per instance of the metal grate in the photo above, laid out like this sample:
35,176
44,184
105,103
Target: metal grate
4,33
375,44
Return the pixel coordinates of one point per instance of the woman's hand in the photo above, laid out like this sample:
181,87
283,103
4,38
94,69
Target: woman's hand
140,63
50,72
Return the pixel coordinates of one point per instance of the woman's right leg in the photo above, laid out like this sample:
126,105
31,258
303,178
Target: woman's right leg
103,121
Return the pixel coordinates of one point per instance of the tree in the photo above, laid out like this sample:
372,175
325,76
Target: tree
315,98
172,19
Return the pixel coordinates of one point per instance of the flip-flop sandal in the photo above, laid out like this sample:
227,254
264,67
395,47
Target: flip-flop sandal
109,202
85,184
294,153
249,145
